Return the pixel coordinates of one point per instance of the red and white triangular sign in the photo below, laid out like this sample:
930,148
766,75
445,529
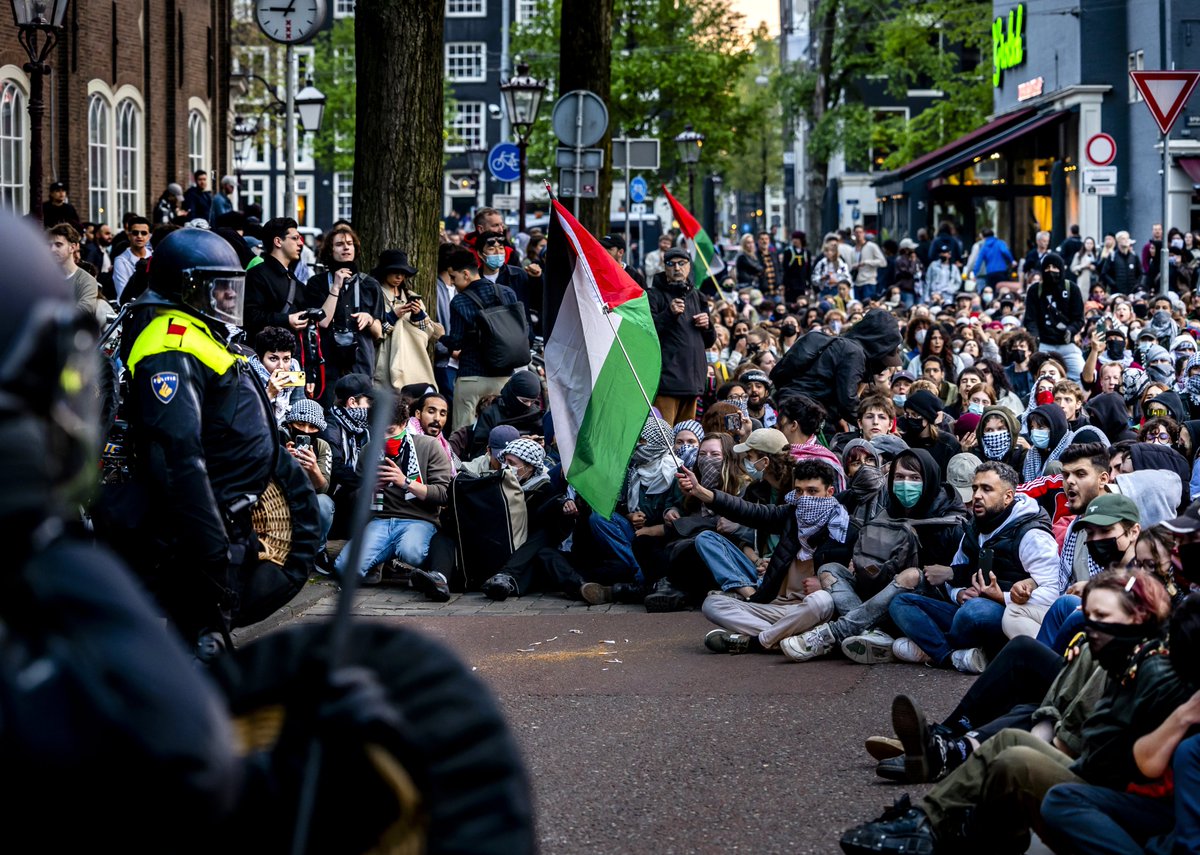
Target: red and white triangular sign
1165,92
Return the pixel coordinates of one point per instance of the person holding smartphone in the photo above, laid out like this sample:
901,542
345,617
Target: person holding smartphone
410,335
304,421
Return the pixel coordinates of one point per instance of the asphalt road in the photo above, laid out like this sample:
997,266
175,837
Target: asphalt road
639,740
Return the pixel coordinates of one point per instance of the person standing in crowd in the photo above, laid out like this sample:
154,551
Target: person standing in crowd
222,202
198,199
1032,263
1054,313
138,230
1121,272
653,263
685,332
748,265
868,259
409,333
57,209
994,259
98,253
771,279
64,245
615,245
796,262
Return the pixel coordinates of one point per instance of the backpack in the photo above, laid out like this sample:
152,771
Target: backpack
503,336
884,547
491,522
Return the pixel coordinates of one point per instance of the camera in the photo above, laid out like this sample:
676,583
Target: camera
313,316
302,440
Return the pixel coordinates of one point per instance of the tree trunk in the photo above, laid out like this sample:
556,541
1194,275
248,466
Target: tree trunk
823,99
585,62
398,133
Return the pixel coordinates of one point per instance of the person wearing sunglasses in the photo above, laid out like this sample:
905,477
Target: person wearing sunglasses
138,231
1160,430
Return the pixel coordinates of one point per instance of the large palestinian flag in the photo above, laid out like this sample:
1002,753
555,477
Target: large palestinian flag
603,333
706,263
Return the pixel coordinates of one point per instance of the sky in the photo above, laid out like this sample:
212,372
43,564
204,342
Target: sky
759,10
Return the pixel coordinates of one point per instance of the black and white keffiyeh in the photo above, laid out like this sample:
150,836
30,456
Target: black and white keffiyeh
814,514
652,467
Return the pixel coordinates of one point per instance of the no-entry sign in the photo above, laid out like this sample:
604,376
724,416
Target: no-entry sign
1101,150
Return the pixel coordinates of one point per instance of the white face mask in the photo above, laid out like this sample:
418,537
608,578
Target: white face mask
752,470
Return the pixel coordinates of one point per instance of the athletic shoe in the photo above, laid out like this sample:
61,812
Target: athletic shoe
665,598
373,577
906,650
500,587
630,593
913,731
724,641
873,647
323,564
432,584
892,769
884,747
902,829
969,661
595,594
809,645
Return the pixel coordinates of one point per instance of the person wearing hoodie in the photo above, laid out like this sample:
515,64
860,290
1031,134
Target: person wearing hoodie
830,368
1049,436
1191,436
1007,556
1160,369
1145,456
917,428
519,405
1167,405
998,437
1054,313
1107,412
864,496
994,258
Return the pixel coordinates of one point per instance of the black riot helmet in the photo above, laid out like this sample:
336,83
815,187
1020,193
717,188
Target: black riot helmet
201,271
49,400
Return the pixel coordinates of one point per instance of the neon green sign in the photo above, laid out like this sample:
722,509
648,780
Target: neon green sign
1008,43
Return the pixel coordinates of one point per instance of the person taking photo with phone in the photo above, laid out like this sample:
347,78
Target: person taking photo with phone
279,372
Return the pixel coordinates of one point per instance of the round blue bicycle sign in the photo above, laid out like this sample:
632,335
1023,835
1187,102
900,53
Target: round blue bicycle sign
504,162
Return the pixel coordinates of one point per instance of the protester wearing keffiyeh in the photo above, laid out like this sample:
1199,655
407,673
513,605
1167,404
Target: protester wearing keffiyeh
652,467
414,425
813,515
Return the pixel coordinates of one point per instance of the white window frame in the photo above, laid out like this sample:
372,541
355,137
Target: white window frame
465,54
256,189
197,142
343,8
479,108
127,174
526,11
99,134
14,142
343,195
116,159
1136,62
467,8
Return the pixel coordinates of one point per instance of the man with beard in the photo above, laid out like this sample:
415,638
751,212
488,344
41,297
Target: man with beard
758,388
1007,546
685,332
1054,313
431,411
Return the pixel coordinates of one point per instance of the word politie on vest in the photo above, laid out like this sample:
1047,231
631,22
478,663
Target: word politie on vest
1008,44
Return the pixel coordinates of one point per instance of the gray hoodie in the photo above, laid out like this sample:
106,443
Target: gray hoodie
1156,492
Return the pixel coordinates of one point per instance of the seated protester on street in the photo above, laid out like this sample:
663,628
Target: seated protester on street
688,435
1146,456
917,428
492,459
901,381
1096,818
528,569
888,554
977,399
1070,399
865,495
800,419
1049,437
431,412
1107,411
933,370
992,799
303,422
273,365
968,380
1167,405
346,431
519,405
1007,545
1043,393
758,390
727,417
995,377
414,484
650,491
813,528
876,416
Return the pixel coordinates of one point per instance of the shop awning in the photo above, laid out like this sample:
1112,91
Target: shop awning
1191,165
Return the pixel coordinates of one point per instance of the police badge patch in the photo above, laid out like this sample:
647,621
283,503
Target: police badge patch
165,384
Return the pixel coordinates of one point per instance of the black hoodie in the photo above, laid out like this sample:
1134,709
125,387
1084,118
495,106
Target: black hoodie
1054,314
939,540
1108,413
1173,404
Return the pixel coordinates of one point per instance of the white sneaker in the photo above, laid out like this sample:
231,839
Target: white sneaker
873,647
809,645
906,650
970,661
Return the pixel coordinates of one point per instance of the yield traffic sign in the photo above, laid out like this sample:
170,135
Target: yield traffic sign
1165,92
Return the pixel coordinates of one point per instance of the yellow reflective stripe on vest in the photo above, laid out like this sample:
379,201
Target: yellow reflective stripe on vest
177,332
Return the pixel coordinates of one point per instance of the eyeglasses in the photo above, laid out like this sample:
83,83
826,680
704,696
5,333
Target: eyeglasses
675,263
139,233
1161,436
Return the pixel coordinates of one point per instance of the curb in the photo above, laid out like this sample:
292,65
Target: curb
313,592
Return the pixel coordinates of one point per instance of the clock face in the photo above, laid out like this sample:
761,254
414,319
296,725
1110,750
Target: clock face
290,21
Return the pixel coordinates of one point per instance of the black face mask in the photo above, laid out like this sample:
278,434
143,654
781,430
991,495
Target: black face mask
1113,644
789,330
1104,551
910,425
1115,349
1051,277
1189,557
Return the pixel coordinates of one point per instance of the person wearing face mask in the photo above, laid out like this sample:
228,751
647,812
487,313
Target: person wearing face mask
688,435
1019,348
789,333
1054,314
917,427
519,405
315,457
1159,367
1000,787
998,438
901,381
1049,435
347,434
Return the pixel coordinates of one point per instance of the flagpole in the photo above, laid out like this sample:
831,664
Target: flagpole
607,311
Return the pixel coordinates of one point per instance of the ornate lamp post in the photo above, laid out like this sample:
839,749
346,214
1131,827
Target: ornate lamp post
688,144
38,24
522,99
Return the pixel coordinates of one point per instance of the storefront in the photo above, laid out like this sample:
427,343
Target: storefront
1060,78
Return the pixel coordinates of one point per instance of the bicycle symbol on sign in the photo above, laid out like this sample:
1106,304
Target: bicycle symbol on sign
505,161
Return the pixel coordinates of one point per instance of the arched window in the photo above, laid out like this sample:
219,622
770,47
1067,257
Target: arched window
197,142
13,167
99,156
129,172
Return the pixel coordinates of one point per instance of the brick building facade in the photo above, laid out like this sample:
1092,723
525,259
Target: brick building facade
138,97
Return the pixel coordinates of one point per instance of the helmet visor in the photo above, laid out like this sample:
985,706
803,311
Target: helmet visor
226,298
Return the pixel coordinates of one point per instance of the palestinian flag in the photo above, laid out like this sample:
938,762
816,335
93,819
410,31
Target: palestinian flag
706,263
603,332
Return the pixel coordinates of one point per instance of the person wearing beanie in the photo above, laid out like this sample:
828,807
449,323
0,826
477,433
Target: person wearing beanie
304,420
759,389
1054,314
917,427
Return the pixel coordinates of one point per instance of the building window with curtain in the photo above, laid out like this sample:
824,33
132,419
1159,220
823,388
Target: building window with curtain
197,142
13,168
128,158
99,155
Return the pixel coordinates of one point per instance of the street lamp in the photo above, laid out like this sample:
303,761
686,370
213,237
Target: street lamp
310,104
476,158
763,81
688,144
38,24
522,99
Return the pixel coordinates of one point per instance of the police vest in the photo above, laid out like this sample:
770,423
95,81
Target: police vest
175,331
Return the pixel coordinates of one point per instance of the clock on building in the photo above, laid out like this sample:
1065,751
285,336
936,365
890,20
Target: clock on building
290,21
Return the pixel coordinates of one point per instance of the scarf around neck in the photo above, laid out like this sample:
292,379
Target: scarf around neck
414,426
814,514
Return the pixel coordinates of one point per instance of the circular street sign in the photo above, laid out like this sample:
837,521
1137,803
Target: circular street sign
504,162
1101,149
573,107
638,189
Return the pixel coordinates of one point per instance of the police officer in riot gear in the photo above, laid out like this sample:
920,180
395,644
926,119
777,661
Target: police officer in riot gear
229,529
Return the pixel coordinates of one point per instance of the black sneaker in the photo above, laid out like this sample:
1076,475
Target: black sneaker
666,598
892,769
210,644
902,830
926,754
324,564
500,587
432,584
724,641
631,593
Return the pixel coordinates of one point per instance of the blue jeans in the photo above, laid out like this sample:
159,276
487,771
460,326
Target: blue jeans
863,293
324,515
939,627
1186,768
387,538
1091,820
728,564
1061,623
617,534
1072,357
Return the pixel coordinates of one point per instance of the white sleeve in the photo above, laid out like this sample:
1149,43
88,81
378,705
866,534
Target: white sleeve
1039,557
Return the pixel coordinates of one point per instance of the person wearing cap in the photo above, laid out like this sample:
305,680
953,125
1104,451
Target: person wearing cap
685,332
57,209
170,205
917,426
943,277
304,421
615,246
492,457
410,334
758,390
347,433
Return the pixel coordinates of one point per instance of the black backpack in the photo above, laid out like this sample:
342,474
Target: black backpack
503,336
